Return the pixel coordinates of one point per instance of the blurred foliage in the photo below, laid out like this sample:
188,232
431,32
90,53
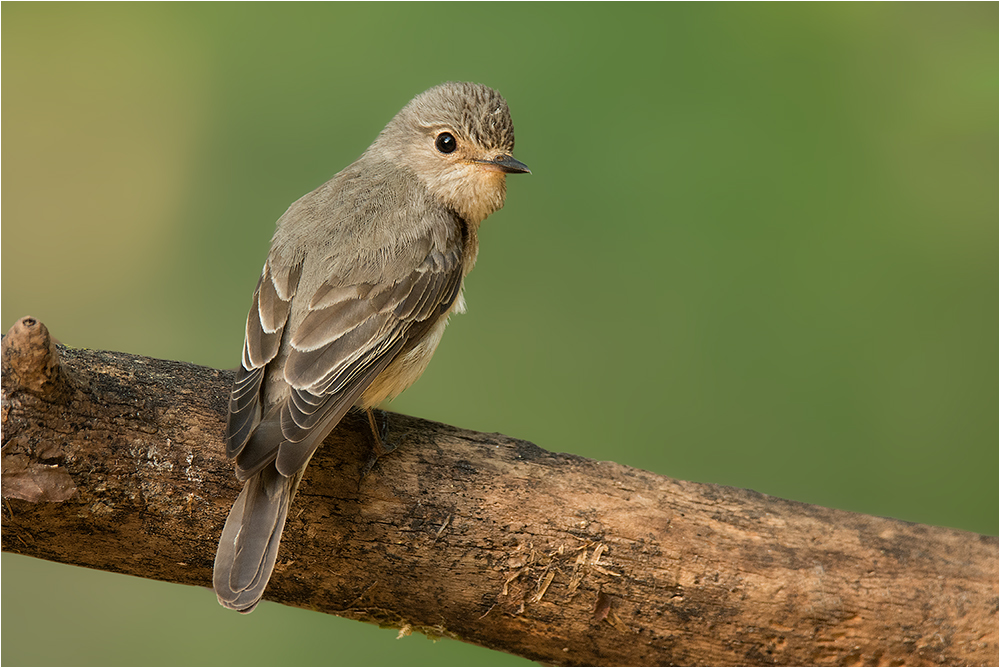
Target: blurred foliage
758,248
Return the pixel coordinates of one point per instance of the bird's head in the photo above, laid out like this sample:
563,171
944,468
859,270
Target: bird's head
458,139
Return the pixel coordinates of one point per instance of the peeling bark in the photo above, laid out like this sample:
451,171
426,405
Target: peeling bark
115,462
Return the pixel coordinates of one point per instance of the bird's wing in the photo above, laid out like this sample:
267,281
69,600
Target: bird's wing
350,334
266,322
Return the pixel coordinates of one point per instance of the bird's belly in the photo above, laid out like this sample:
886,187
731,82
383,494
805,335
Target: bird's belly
404,370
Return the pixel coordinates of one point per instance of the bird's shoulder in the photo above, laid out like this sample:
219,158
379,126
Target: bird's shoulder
372,222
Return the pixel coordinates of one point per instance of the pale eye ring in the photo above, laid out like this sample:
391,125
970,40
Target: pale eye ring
445,142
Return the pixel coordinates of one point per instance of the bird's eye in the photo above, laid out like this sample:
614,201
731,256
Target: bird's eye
445,142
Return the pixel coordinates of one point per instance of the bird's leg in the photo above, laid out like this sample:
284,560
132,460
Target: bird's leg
380,447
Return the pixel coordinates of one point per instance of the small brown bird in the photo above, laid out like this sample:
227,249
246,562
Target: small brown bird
354,297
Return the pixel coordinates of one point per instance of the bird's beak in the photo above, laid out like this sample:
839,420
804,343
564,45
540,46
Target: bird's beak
506,164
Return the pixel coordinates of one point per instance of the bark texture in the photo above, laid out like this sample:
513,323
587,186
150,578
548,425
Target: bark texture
114,462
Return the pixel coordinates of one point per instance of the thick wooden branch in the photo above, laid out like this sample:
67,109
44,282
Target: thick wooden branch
114,461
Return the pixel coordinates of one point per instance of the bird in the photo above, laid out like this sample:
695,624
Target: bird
359,281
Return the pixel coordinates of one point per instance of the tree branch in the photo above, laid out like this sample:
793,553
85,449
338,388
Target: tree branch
115,462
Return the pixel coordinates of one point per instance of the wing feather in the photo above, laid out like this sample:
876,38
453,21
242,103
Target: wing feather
294,455
265,326
244,409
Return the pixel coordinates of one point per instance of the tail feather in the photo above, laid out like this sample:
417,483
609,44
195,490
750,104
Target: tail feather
248,547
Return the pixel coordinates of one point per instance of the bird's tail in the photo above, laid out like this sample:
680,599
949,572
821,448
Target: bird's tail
249,544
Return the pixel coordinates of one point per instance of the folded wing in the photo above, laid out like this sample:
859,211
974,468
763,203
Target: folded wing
349,335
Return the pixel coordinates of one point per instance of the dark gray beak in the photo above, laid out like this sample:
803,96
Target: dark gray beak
508,165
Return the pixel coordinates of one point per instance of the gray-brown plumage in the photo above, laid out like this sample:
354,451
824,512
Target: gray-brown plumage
355,293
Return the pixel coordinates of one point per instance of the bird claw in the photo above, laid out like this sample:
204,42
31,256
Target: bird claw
380,446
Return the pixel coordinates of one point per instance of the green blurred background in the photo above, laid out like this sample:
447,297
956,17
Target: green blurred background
759,248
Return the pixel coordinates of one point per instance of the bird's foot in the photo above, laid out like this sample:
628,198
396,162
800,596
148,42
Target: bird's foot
380,446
